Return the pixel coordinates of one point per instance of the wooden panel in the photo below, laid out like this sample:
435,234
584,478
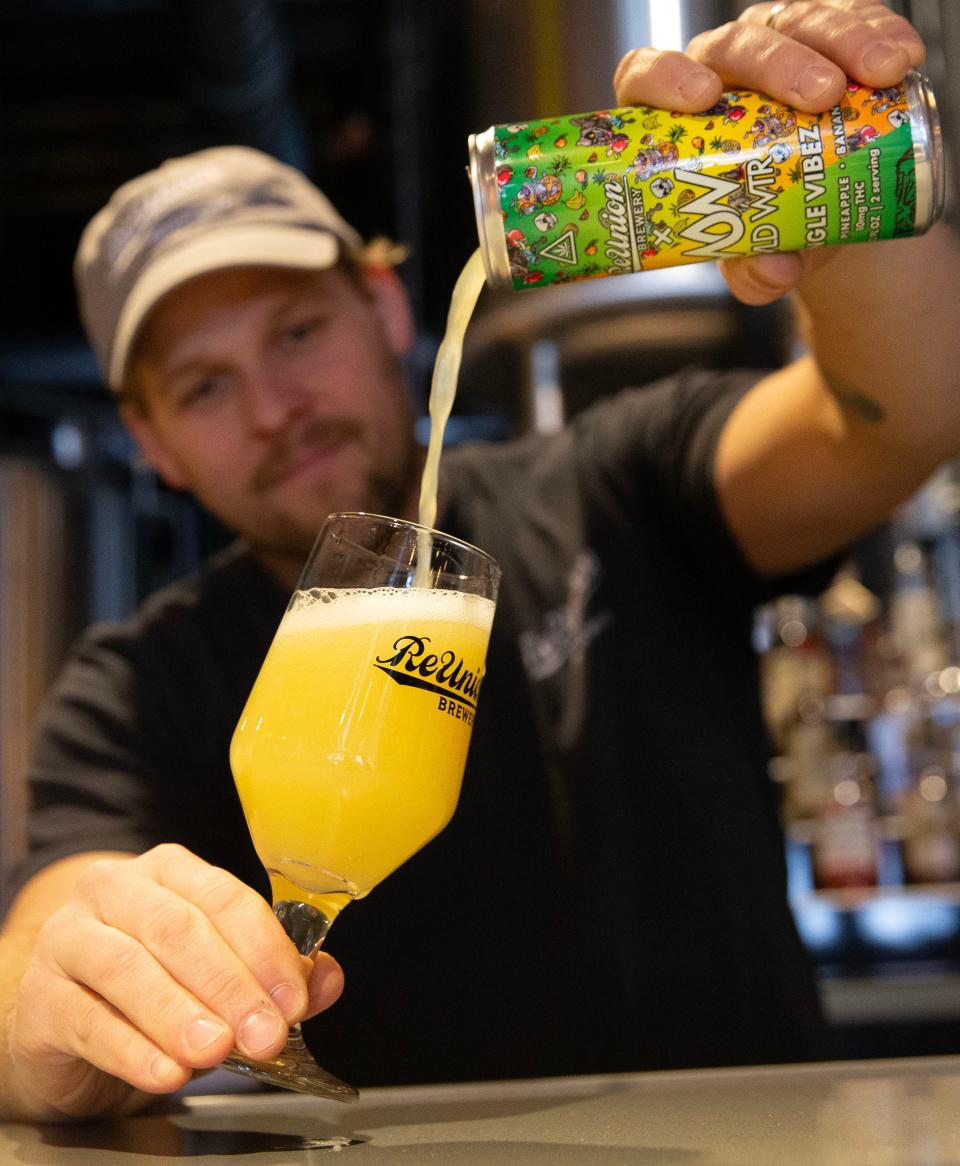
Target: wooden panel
33,572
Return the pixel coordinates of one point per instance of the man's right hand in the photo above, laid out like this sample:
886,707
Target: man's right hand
136,971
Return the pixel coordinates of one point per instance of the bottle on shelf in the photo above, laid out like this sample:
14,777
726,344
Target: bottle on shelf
916,620
846,835
862,694
929,810
795,665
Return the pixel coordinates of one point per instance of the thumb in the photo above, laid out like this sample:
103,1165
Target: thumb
761,279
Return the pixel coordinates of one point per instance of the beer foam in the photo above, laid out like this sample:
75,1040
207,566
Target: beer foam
330,607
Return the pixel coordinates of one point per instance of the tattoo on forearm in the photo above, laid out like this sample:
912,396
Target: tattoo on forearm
855,402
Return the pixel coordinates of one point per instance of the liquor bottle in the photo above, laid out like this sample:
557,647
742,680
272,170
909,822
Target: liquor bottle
849,614
846,840
946,560
916,620
931,842
795,667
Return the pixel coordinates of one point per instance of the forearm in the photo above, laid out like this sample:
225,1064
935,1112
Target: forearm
820,451
881,323
798,477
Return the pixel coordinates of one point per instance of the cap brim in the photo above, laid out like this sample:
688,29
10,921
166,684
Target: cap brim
247,245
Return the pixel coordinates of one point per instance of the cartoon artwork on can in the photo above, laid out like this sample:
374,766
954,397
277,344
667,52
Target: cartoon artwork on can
625,190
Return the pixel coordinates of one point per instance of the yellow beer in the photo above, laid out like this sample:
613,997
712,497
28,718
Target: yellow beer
350,751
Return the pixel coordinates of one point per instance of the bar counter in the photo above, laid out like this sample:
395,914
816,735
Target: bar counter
867,1113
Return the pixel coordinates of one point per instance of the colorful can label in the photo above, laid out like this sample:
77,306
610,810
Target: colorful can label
624,190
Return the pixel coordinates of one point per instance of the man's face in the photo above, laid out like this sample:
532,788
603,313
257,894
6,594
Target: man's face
276,398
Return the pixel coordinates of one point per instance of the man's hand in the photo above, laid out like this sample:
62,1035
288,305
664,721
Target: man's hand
804,61
820,452
153,967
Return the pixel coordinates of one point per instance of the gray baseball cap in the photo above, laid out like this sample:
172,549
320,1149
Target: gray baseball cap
226,207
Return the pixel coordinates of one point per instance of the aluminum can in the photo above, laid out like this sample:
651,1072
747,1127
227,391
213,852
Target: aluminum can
623,190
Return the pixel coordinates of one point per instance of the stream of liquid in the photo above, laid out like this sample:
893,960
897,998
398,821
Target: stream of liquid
443,389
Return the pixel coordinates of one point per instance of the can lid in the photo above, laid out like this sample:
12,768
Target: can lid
927,151
486,205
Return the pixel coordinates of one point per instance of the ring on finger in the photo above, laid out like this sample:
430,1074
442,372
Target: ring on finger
776,12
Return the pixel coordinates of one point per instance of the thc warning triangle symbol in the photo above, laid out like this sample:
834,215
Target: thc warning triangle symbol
563,249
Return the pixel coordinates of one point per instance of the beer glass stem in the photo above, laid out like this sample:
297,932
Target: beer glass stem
306,925
295,1067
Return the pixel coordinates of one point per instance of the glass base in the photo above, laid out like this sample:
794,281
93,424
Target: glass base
294,1068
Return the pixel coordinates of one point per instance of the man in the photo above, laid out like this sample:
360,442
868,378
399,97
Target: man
611,893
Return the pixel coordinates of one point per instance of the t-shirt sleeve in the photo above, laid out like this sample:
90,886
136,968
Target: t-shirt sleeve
653,451
90,781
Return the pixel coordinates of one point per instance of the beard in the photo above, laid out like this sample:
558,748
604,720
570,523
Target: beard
388,489
383,479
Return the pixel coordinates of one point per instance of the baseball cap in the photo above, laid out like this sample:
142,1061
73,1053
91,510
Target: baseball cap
230,206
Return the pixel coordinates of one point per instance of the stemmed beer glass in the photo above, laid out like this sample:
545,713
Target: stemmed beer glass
349,753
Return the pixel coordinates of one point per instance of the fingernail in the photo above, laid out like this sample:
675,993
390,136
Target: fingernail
288,998
259,1031
696,84
775,273
881,55
202,1032
813,81
161,1067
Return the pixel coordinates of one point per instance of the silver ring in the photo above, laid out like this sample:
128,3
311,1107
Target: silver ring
776,11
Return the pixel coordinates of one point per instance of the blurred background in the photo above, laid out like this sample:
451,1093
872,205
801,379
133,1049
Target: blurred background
374,99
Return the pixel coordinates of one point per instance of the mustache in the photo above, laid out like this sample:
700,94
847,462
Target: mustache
315,435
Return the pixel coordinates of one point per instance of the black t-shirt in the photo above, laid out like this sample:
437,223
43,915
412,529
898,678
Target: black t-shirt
611,893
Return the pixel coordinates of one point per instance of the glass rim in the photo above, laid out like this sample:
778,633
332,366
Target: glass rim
409,524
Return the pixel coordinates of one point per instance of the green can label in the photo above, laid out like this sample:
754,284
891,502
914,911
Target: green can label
624,190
